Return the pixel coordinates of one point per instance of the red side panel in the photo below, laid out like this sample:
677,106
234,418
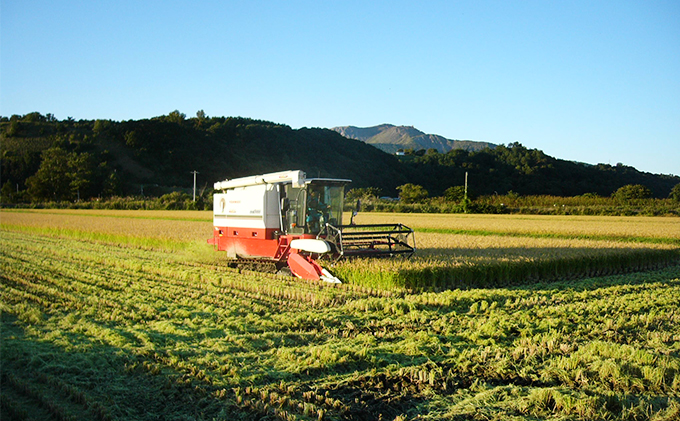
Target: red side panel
252,242
248,242
303,267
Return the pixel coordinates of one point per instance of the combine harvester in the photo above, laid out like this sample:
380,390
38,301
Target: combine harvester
284,219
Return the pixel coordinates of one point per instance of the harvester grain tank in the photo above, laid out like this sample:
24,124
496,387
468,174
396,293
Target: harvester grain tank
285,219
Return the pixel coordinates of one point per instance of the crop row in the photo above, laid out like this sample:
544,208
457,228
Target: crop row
465,261
136,327
575,226
443,261
162,231
159,275
613,227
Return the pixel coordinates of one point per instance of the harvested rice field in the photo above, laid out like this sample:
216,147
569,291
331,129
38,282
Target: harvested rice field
130,315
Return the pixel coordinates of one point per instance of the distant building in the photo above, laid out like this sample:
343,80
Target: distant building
400,153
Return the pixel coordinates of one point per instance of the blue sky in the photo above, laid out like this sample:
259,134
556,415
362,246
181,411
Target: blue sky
590,81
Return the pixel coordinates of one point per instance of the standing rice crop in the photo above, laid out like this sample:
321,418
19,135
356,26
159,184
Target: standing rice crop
462,261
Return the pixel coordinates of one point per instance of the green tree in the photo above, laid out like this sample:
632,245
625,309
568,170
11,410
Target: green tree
51,181
7,193
455,194
675,193
200,119
113,185
632,192
412,193
81,174
363,193
13,129
133,140
101,126
176,117
174,201
62,176
33,117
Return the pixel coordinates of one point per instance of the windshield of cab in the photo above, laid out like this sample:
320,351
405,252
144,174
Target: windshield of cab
307,210
324,205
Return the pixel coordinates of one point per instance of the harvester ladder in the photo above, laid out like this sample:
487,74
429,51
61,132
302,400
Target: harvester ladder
284,245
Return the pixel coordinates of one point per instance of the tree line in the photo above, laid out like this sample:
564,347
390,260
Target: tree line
46,159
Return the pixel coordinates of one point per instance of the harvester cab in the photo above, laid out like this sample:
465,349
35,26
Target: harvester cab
284,219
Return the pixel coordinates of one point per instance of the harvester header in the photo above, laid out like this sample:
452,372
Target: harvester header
285,219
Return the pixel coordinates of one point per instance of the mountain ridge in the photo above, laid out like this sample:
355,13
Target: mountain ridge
391,138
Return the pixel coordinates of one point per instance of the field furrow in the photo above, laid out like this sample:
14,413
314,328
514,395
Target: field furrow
96,330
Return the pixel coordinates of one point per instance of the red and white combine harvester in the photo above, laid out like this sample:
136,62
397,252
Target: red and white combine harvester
285,219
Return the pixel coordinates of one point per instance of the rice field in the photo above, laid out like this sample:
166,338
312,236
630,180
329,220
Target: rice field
608,227
484,256
116,315
664,229
161,226
446,261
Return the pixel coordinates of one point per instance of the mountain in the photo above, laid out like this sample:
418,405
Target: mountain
45,159
391,138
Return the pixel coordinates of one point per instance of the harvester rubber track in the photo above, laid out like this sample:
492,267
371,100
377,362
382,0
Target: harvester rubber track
257,265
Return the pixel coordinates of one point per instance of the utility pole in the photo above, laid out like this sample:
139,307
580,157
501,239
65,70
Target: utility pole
466,184
194,173
465,198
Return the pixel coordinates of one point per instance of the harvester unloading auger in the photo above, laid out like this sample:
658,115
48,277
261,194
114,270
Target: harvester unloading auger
284,220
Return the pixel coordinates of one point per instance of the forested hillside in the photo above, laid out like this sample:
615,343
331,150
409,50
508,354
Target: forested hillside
59,160
531,172
46,159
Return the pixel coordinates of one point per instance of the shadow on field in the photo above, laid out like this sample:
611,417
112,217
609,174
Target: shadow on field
73,375
79,377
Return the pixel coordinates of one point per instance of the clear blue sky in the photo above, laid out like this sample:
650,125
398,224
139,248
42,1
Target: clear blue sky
591,81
